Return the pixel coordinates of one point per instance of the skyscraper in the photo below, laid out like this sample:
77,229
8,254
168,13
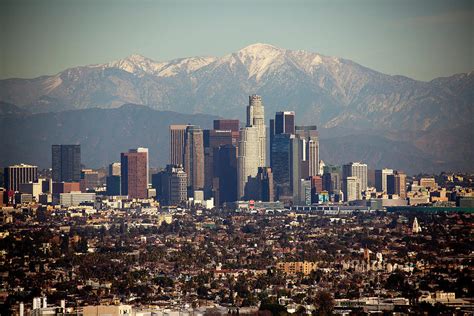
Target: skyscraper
381,179
396,184
356,169
265,183
194,157
173,186
66,163
177,136
286,166
113,181
332,179
225,174
248,161
284,123
351,189
145,150
213,139
281,164
251,149
134,174
256,118
309,137
18,174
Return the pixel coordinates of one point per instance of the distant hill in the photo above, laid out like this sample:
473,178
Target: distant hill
105,133
102,133
10,109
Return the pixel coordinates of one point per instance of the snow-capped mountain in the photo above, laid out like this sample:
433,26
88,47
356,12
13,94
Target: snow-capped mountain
325,90
362,114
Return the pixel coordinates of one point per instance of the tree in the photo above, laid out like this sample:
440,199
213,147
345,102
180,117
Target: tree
324,303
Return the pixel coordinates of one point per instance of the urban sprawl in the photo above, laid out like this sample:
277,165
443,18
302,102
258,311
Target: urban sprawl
235,224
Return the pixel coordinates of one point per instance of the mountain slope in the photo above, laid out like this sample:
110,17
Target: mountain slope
428,123
325,90
102,133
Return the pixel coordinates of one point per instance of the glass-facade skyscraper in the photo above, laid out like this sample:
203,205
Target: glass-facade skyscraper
66,163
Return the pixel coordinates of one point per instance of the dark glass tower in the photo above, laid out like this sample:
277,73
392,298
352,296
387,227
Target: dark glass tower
66,163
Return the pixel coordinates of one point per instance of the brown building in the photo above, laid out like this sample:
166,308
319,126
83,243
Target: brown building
194,157
429,183
396,184
134,174
66,187
227,125
177,137
89,179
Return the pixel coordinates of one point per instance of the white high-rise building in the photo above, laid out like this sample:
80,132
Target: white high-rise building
256,118
252,148
356,169
248,159
351,189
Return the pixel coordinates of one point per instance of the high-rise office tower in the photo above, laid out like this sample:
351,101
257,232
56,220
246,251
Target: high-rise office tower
286,161
256,118
248,161
332,179
225,174
113,182
134,174
194,157
145,150
284,123
18,174
213,139
66,163
309,137
316,187
304,193
173,186
396,184
177,136
381,179
265,183
356,169
251,149
351,189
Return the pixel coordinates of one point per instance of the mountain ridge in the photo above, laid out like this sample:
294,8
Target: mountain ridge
333,93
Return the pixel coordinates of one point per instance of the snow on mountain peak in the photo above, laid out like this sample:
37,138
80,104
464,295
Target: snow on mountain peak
259,58
137,64
259,49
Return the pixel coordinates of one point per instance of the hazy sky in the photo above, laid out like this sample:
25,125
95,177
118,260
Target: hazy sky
421,39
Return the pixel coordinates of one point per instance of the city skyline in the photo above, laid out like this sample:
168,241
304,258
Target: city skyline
236,157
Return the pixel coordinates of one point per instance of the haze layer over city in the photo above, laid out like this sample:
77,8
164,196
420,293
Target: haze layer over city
236,157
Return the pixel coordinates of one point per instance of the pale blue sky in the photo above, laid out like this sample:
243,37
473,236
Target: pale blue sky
420,39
